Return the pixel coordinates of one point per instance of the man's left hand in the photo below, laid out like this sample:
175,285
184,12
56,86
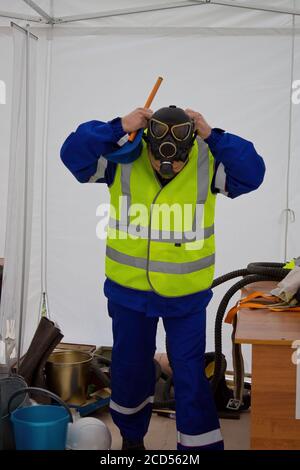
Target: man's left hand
203,129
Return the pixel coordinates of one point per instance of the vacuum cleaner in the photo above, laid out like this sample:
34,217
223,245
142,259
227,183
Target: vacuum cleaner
255,272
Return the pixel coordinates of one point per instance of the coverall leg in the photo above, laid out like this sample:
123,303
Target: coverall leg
132,370
196,415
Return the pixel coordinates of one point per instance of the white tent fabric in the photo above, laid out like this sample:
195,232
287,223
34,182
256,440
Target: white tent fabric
5,113
294,174
14,302
236,66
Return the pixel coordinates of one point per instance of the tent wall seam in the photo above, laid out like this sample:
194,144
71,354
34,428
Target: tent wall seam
288,211
44,188
23,306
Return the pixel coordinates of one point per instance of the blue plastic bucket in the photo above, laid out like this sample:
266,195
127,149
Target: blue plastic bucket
40,427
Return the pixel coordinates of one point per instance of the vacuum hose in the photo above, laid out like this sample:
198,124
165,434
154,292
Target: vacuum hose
253,273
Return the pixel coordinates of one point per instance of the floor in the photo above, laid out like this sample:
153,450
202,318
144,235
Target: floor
162,432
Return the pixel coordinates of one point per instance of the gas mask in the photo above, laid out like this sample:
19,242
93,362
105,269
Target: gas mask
171,134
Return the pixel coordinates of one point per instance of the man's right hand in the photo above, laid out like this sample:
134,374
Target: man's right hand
136,120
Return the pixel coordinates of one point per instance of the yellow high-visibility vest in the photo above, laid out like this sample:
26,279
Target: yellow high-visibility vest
161,238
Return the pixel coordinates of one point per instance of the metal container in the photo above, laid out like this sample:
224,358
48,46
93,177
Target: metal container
67,375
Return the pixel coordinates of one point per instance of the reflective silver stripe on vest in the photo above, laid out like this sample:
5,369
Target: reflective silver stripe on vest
130,411
202,185
159,235
160,266
202,171
126,169
181,268
200,440
101,167
220,179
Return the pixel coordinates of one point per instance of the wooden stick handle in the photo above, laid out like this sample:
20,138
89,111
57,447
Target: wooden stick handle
148,103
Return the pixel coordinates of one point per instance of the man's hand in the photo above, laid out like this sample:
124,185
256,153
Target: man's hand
136,120
201,126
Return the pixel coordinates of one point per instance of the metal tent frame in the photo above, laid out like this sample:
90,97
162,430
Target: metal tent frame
43,17
46,18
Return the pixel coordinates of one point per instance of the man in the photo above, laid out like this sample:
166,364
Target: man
162,266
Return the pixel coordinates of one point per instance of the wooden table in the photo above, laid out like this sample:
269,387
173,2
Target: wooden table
273,397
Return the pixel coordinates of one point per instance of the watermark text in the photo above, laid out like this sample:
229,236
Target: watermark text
296,92
2,92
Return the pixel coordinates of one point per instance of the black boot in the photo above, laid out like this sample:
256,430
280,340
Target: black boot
132,445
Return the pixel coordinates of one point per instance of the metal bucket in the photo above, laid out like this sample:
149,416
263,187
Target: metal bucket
67,375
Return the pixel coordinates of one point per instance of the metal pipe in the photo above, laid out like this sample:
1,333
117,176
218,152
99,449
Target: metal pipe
39,10
24,246
174,5
19,16
146,9
249,6
129,11
23,299
15,25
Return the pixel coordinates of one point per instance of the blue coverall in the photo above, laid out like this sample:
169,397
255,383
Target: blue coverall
238,170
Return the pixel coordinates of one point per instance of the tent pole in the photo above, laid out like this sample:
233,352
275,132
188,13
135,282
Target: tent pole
130,11
39,10
174,5
14,25
19,16
23,303
249,6
183,4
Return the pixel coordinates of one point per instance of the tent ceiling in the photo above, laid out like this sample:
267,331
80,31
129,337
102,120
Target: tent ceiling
66,11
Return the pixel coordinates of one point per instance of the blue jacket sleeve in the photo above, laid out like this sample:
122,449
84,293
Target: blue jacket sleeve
237,158
83,148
